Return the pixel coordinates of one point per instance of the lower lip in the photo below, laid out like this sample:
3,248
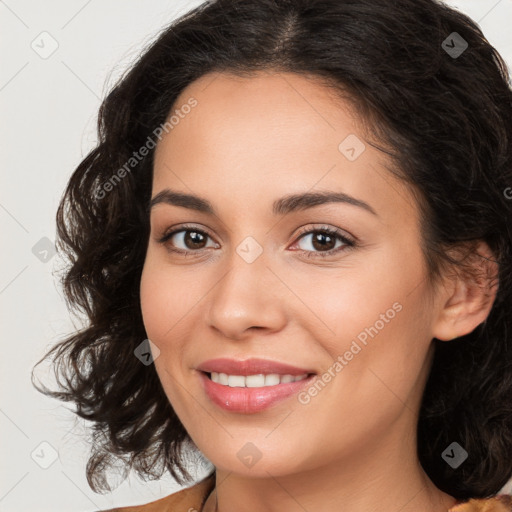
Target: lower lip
250,400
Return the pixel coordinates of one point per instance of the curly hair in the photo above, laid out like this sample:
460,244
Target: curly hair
446,121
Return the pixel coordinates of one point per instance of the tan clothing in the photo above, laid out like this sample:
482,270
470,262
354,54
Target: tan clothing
193,498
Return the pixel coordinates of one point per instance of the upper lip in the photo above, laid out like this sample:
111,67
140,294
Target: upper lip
250,367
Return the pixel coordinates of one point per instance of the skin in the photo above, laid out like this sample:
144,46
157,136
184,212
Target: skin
248,142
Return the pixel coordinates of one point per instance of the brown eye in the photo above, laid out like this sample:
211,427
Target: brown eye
322,242
186,239
194,239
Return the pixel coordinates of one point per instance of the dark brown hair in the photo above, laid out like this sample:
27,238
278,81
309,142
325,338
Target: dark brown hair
445,119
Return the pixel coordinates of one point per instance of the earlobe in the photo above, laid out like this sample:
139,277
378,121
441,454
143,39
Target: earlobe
468,299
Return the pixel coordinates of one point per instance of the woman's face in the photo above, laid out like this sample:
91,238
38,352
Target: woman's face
257,277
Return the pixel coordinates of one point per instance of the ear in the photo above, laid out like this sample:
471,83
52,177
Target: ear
467,296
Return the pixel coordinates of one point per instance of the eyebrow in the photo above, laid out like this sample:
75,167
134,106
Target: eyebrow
282,206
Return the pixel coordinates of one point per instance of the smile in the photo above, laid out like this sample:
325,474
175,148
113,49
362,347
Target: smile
250,394
254,381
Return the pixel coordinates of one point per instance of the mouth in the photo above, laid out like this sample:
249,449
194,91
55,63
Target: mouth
253,367
259,380
251,394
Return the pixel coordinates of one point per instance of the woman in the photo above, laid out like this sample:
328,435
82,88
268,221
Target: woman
293,246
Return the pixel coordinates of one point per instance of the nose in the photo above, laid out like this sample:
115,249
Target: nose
247,297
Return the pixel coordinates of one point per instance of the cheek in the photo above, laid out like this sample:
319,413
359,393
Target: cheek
344,304
162,308
158,299
380,307
166,296
151,295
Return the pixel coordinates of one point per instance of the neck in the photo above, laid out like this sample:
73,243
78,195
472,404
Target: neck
375,479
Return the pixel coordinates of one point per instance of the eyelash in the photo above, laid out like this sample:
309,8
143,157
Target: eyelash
349,243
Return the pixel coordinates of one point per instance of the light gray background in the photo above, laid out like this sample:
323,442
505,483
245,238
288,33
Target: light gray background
48,111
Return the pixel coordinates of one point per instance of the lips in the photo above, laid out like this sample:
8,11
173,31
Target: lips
251,400
251,367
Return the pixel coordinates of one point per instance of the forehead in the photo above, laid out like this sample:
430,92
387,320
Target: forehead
269,135
294,107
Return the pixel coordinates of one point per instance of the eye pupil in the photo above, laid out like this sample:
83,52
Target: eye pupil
319,239
195,237
322,242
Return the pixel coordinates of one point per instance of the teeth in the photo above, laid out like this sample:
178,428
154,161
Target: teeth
236,381
254,381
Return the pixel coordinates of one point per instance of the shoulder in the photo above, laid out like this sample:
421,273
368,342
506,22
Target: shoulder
189,499
500,503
